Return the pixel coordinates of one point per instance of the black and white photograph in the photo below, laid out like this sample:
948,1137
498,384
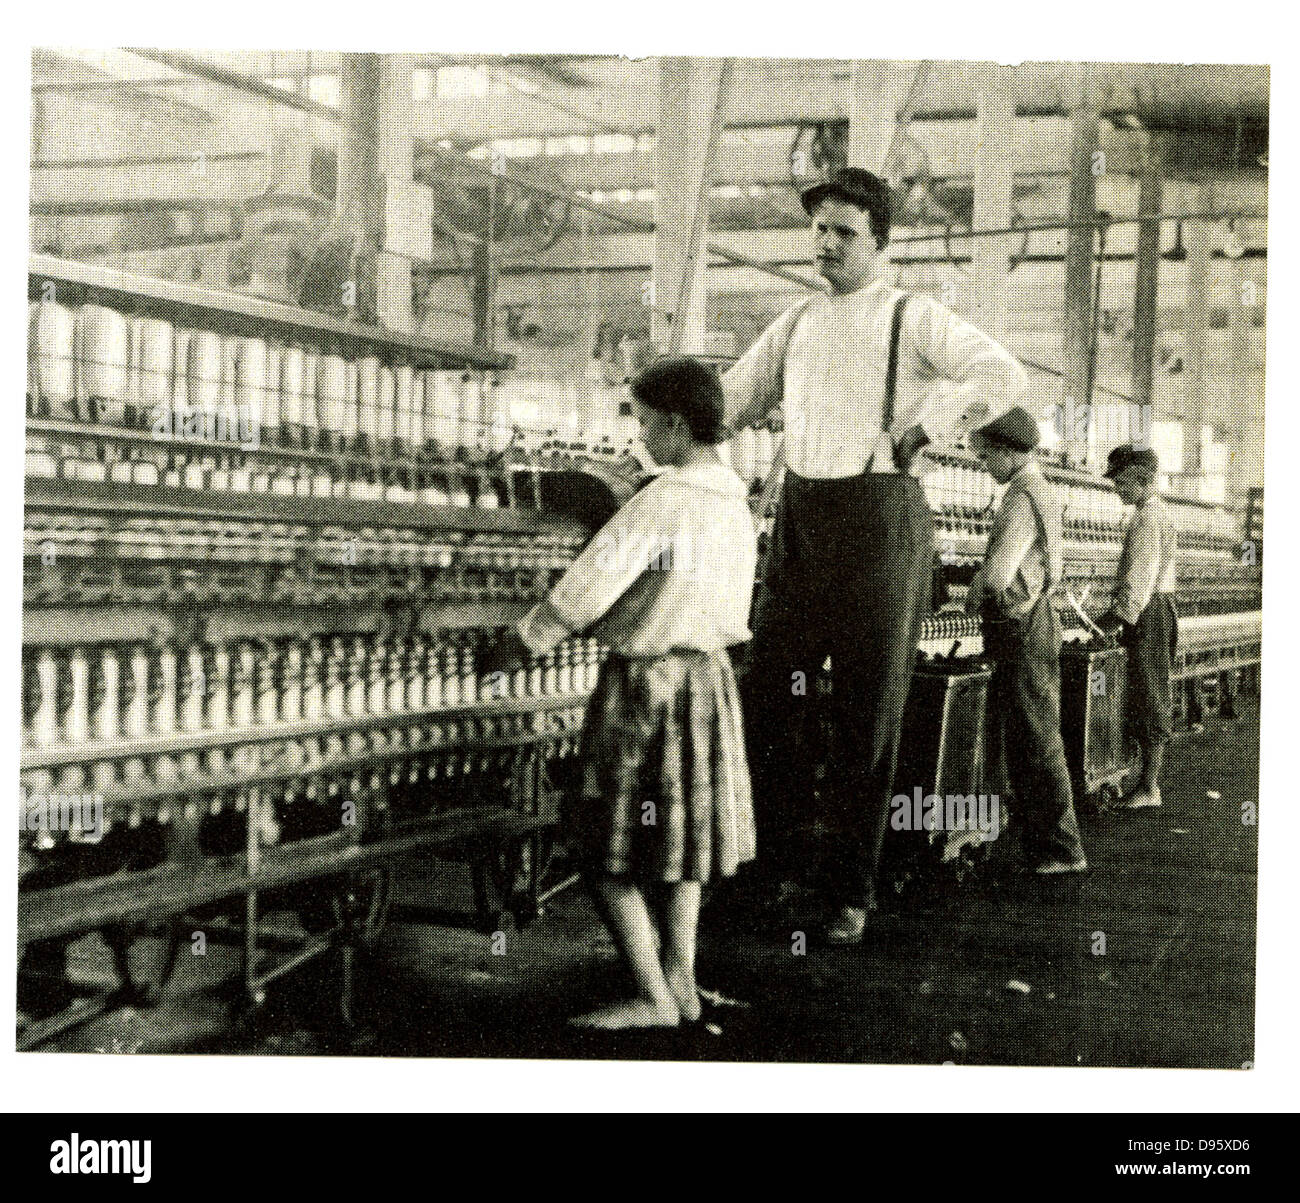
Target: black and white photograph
577,557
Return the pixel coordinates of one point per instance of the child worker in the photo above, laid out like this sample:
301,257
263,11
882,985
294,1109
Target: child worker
665,800
1142,613
1011,591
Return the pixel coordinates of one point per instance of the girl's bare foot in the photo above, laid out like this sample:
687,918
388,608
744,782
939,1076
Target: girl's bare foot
635,1013
682,984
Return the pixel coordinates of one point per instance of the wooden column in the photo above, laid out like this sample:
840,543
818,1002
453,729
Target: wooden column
1198,237
878,93
994,178
689,91
483,288
375,142
1245,427
1079,256
1146,285
289,163
397,163
38,142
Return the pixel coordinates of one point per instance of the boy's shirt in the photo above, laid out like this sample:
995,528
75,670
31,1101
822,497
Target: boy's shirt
1024,555
1147,565
672,570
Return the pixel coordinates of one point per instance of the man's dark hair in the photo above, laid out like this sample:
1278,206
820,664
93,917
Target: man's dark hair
863,189
689,388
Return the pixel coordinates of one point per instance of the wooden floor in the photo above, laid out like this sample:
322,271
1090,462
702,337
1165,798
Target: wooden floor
1170,899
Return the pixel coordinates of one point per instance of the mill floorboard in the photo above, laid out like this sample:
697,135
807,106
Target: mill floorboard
1146,961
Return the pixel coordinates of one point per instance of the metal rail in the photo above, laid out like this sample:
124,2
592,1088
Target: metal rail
157,745
164,501
151,895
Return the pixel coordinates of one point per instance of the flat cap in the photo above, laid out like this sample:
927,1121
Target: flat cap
1015,429
1129,456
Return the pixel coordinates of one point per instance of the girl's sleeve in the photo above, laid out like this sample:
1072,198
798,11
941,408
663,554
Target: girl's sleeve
641,532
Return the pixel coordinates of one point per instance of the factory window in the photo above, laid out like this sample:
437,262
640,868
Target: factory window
567,144
284,83
509,148
518,148
463,83
612,144
324,89
422,83
598,144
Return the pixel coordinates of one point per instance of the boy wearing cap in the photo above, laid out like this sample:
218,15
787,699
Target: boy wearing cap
865,377
1011,592
1142,613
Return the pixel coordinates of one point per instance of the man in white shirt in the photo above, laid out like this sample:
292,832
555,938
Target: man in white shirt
865,378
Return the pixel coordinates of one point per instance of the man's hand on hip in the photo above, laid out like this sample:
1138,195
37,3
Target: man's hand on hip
909,443
1111,625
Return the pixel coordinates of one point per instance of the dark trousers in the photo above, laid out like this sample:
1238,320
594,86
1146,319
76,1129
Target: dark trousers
848,577
1026,751
1151,644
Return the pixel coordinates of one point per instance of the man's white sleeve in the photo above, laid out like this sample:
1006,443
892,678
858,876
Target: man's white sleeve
982,380
753,384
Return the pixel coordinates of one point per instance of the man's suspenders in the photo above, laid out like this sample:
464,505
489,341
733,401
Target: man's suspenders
891,371
773,481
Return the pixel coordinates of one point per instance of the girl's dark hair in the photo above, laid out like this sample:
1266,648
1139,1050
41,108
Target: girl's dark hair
689,388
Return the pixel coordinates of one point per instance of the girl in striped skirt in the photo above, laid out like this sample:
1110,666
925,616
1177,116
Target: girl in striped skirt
665,798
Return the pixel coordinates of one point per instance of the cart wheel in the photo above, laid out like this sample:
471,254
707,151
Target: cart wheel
145,958
318,911
494,878
966,865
